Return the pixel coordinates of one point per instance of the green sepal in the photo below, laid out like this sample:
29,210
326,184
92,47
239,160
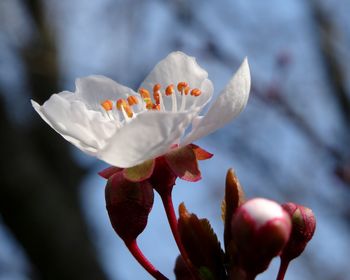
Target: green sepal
139,172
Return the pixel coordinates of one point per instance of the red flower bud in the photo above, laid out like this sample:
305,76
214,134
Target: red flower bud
303,228
128,205
260,230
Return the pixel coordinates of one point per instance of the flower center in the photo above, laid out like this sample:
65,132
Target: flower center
145,102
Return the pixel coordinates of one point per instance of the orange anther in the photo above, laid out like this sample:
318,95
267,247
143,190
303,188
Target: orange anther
132,100
156,107
169,90
144,93
107,105
196,92
181,86
187,90
156,88
121,103
128,111
149,105
156,96
148,102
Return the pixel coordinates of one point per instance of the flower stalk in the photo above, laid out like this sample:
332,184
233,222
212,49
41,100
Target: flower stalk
143,261
170,213
283,269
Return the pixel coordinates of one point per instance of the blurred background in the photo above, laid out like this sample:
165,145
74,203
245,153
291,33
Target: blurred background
292,142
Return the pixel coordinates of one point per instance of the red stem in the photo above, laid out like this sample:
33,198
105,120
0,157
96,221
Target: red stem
170,212
283,269
140,257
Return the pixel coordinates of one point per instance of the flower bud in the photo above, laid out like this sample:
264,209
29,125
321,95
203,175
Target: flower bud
128,205
303,228
260,230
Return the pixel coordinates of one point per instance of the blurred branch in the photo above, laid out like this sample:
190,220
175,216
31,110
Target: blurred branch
326,32
326,36
44,218
274,97
38,194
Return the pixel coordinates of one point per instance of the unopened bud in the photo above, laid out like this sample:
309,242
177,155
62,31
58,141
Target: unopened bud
303,228
128,205
260,230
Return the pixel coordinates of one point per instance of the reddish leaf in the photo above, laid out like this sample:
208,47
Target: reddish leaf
200,153
201,244
181,271
140,172
184,164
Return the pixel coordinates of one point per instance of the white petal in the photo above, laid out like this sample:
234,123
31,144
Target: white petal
147,136
84,128
200,101
176,67
179,67
228,105
95,89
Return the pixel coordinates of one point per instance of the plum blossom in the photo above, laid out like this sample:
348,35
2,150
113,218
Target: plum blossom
124,128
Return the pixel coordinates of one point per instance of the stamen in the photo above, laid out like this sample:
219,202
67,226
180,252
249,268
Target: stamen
156,107
156,102
123,106
146,97
183,102
169,90
156,97
144,93
156,88
196,92
128,111
107,105
115,115
156,93
148,102
132,100
121,103
174,101
161,104
181,86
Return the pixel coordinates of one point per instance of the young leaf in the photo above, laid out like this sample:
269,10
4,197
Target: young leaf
181,271
234,197
202,245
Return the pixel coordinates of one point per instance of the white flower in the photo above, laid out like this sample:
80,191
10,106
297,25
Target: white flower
102,119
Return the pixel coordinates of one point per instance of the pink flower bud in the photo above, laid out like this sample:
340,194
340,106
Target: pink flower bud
260,230
128,205
303,228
